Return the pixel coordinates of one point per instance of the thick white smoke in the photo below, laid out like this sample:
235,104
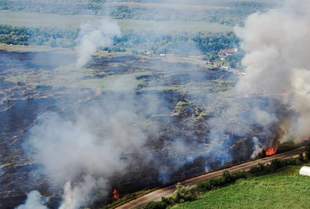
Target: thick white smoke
85,152
82,152
276,64
34,201
93,143
257,148
80,195
277,47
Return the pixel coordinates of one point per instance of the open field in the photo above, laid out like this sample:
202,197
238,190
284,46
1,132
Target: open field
26,19
285,189
174,5
168,5
24,48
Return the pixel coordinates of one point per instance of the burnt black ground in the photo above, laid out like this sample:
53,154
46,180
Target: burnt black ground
23,102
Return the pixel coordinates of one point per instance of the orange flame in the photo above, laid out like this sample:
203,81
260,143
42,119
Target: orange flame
271,151
116,195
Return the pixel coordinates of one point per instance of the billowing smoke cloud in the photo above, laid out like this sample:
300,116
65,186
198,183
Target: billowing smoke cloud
276,45
94,135
91,147
277,59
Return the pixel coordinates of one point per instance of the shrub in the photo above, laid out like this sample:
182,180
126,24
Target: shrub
260,169
184,193
206,186
156,205
240,175
168,201
307,152
227,177
275,165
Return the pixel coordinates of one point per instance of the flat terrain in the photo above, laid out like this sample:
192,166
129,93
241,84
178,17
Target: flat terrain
29,19
43,78
169,5
285,189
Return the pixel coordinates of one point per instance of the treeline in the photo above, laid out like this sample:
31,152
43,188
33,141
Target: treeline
187,44
208,44
37,36
216,42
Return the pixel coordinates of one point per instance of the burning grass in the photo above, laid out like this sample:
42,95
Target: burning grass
268,191
271,151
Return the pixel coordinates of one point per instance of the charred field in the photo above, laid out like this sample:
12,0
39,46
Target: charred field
104,96
27,97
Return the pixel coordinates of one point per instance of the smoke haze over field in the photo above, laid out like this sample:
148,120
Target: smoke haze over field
81,151
91,144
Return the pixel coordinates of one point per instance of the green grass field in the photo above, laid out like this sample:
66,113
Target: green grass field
285,189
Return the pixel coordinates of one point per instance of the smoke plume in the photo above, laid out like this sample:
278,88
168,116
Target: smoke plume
93,36
277,68
34,201
276,61
90,147
90,142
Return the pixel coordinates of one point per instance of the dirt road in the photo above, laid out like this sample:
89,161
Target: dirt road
167,191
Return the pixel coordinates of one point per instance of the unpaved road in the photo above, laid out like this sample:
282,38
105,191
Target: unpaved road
167,191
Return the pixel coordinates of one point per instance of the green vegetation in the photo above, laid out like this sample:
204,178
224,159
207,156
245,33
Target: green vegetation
216,42
185,44
228,13
284,189
182,194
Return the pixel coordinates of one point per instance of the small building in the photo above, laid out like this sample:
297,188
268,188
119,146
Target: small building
304,171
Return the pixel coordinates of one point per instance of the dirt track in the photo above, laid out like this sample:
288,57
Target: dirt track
167,191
